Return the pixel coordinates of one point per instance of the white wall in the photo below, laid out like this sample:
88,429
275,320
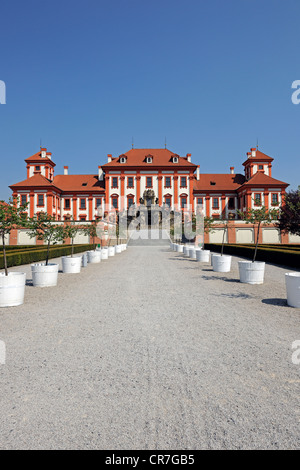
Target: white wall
270,235
217,236
24,239
244,235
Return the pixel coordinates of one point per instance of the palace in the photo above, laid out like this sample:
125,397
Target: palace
147,176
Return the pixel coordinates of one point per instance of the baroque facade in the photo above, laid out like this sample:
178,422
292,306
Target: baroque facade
147,176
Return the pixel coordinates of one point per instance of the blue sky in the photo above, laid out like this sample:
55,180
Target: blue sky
212,77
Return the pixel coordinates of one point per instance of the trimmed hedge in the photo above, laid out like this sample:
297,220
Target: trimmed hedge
33,256
284,257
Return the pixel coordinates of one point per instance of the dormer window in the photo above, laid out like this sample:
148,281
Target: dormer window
149,159
175,159
122,159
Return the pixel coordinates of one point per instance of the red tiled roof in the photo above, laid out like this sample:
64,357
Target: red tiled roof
79,183
34,181
37,157
260,156
261,179
161,158
218,182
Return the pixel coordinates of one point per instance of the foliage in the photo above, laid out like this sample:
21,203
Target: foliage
70,230
257,217
12,216
289,213
43,227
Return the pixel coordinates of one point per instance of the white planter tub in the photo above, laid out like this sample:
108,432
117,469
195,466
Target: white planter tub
94,256
12,289
44,276
252,273
118,249
203,255
221,263
292,283
84,260
111,251
104,253
71,265
124,246
180,248
192,252
171,246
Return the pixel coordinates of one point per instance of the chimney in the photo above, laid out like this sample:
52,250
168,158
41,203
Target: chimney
100,173
188,156
253,152
109,157
48,154
43,153
232,170
198,173
66,168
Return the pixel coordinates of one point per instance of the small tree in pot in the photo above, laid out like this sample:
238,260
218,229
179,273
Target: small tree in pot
71,264
93,256
12,216
45,228
289,222
253,272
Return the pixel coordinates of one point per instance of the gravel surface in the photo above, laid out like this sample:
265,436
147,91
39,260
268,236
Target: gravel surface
149,350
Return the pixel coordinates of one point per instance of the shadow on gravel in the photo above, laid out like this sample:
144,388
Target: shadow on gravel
277,302
29,282
216,278
239,295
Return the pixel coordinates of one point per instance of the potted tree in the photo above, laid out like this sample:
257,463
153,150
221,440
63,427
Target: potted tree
93,256
252,272
208,227
289,222
71,264
12,284
43,227
222,263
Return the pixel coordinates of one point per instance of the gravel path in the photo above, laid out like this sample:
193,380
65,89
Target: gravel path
149,350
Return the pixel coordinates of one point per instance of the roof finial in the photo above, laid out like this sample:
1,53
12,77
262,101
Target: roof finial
40,143
257,144
165,142
132,143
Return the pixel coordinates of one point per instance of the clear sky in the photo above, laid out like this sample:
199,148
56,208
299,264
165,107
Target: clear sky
212,77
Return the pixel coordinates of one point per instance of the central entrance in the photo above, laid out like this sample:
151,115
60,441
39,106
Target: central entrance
149,200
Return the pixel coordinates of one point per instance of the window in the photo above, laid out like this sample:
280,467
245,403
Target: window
82,204
168,201
183,182
231,205
114,182
23,199
149,159
40,199
123,160
175,159
257,199
260,167
274,199
168,182
130,202
200,201
215,203
183,202
149,182
82,217
98,202
37,168
67,204
115,202
130,182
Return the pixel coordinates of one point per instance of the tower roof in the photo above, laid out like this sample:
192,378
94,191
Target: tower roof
160,158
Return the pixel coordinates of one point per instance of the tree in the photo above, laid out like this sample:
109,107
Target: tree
257,217
91,231
12,216
289,213
70,230
43,227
